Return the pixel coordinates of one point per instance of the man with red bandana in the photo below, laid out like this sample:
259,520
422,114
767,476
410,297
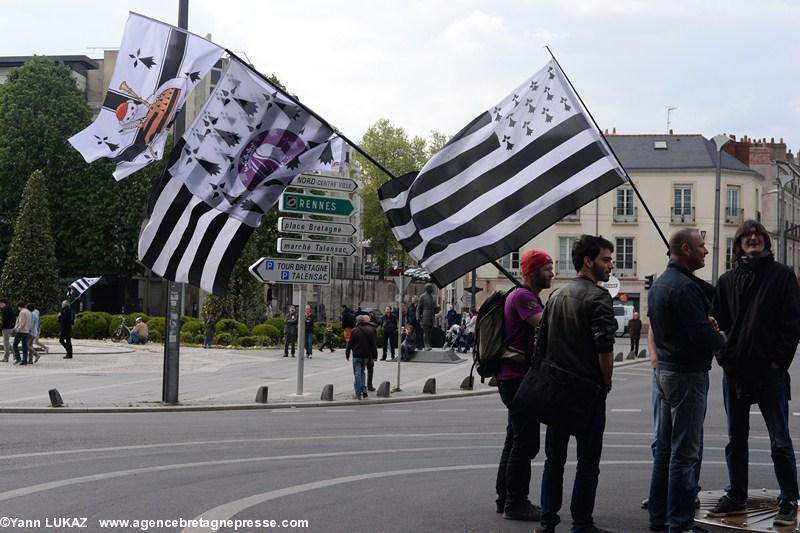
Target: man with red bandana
523,310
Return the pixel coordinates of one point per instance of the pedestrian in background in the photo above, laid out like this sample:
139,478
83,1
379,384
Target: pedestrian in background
426,314
472,321
65,320
363,344
327,338
522,313
33,339
211,329
685,339
22,330
290,331
757,304
635,332
309,340
8,318
576,333
389,323
348,322
409,345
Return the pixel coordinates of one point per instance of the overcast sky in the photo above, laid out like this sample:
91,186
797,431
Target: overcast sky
727,66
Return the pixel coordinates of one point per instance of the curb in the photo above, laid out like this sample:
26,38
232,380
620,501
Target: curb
248,406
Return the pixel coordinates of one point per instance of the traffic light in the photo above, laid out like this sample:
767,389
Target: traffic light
648,281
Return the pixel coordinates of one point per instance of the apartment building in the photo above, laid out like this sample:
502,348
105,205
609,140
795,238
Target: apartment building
675,175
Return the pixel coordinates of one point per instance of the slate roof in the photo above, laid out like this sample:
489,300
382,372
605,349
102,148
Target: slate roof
683,152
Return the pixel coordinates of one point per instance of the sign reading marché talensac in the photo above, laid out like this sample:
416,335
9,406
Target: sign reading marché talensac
311,203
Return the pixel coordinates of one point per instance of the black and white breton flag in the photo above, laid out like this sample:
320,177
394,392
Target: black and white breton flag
80,285
507,176
157,67
245,147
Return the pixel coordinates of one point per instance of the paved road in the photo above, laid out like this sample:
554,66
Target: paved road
423,466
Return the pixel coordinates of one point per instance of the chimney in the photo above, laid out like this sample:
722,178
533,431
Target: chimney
614,131
670,131
772,140
733,137
605,132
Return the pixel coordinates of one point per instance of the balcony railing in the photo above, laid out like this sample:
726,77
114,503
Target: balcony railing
625,215
734,216
683,215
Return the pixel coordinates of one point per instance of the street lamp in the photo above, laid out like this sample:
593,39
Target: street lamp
719,141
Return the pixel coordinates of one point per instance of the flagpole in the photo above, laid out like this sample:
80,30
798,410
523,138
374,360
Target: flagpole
311,112
608,145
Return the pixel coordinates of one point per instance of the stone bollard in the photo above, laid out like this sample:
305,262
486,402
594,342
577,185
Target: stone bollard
493,382
642,354
631,355
327,393
383,389
468,383
618,358
430,386
261,395
55,398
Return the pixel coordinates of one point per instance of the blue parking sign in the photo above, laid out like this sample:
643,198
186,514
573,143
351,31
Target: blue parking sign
284,274
270,265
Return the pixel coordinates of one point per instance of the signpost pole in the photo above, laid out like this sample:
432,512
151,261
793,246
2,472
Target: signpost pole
301,337
400,328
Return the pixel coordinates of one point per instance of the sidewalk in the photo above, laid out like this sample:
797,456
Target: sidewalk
104,376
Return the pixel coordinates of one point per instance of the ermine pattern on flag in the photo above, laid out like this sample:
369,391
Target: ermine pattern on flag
507,176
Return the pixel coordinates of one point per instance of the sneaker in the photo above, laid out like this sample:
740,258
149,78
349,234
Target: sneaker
500,505
726,506
787,514
371,389
364,394
286,355
527,512
37,358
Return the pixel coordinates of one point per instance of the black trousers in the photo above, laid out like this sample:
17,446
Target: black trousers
65,339
635,345
390,340
291,340
519,449
370,372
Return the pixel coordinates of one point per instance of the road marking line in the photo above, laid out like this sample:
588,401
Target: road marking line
340,410
626,410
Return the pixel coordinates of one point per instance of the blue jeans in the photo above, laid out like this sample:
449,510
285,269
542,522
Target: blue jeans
309,342
519,449
135,338
590,448
676,456
359,366
773,401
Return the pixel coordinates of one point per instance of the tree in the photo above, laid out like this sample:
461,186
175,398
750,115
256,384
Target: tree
390,146
40,108
30,273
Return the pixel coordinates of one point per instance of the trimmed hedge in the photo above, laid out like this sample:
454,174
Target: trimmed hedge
232,327
277,323
223,339
90,325
191,326
49,326
248,342
266,330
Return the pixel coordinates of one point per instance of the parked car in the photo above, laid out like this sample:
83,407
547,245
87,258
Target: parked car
623,313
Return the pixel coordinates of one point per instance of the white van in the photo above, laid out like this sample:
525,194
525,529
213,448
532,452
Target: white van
623,313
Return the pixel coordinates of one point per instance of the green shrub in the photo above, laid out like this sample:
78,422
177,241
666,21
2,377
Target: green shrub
199,339
233,327
191,326
186,338
90,325
266,330
155,336
223,339
49,326
276,322
262,340
106,316
248,342
156,326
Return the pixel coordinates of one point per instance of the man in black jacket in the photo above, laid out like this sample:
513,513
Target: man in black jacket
757,304
389,323
685,339
577,334
8,318
363,344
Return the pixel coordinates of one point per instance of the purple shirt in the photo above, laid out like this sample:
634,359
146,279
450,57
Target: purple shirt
521,304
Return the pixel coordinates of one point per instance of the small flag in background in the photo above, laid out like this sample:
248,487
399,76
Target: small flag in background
80,285
157,67
507,176
246,146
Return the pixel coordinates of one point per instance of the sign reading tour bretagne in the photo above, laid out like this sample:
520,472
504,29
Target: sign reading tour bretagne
276,269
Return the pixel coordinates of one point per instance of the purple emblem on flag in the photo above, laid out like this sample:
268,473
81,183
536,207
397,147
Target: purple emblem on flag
265,153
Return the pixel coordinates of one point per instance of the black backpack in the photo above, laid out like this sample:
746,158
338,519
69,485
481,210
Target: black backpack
490,342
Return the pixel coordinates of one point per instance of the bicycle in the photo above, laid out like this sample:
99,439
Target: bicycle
122,332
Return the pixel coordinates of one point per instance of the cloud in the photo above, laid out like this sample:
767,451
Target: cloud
480,31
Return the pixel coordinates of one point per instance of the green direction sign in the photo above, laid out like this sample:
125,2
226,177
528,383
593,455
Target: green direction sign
312,203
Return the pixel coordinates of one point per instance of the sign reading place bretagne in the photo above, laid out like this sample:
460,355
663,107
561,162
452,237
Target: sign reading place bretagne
294,246
316,227
276,269
312,203
327,183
